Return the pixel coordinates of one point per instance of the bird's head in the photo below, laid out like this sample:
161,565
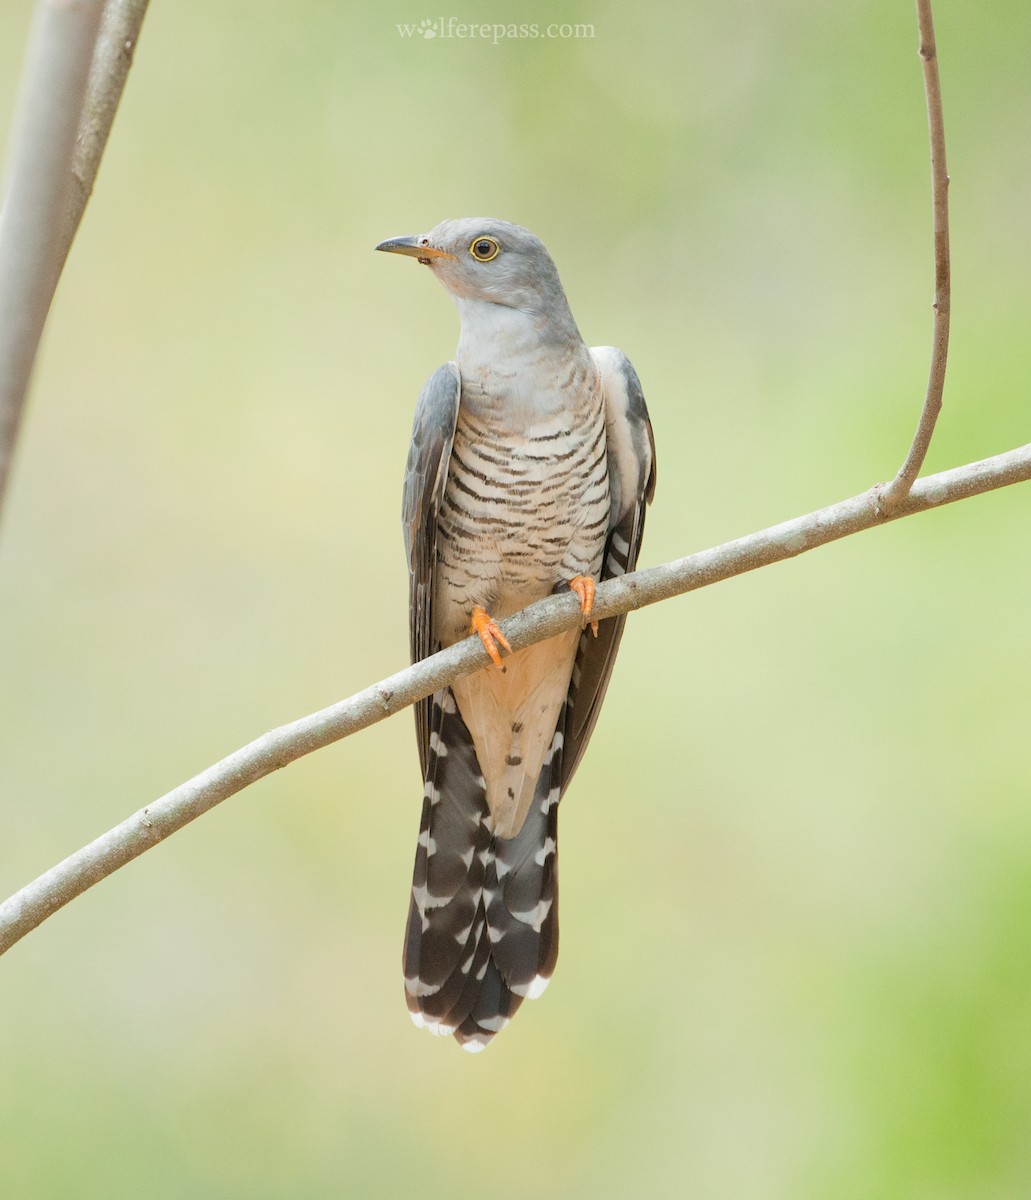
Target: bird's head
487,260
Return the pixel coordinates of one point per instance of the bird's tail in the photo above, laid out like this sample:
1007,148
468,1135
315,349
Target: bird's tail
483,920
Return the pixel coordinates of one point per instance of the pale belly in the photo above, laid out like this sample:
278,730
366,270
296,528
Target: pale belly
510,532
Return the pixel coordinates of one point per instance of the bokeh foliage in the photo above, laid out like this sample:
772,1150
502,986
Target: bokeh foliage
797,860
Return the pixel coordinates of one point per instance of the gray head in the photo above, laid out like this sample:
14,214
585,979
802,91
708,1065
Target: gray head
491,261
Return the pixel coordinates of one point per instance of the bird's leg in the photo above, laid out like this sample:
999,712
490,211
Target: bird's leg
490,634
583,586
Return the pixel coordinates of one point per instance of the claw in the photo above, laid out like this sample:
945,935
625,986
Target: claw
583,586
490,634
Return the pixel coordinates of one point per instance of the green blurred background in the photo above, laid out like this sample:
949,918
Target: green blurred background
797,860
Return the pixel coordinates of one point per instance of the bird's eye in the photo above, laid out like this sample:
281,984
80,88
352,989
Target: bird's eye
484,249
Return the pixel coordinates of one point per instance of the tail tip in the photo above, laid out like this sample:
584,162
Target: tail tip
534,989
438,1028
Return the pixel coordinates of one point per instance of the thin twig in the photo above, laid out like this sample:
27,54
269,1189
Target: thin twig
62,123
34,903
895,492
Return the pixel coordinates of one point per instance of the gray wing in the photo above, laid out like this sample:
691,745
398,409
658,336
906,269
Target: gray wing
433,435
631,458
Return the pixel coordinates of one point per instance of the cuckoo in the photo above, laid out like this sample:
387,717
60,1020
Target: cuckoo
532,460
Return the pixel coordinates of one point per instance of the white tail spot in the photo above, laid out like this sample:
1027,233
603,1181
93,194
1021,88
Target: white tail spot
416,987
532,990
544,851
549,800
534,917
424,900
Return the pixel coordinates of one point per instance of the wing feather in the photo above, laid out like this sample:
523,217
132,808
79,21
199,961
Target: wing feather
429,457
631,458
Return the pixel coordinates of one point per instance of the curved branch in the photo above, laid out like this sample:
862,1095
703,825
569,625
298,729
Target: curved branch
64,117
38,900
895,492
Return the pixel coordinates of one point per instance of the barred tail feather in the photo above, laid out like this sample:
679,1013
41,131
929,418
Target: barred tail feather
521,889
445,917
483,920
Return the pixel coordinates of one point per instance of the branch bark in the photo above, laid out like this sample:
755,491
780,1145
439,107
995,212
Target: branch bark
73,81
892,494
116,44
29,907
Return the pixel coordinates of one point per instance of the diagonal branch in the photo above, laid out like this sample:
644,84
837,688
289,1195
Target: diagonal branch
895,492
63,120
53,89
38,900
119,33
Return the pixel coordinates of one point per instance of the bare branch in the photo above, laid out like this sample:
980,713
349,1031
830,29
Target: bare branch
34,903
119,33
57,67
895,492
62,123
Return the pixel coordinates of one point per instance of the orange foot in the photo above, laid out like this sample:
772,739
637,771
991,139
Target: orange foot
490,634
583,585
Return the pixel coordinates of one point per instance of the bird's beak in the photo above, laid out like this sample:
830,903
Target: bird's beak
414,247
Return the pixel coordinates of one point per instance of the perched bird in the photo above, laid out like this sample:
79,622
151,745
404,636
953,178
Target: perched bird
531,462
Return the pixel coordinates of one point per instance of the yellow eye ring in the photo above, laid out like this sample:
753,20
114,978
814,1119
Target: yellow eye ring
483,249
